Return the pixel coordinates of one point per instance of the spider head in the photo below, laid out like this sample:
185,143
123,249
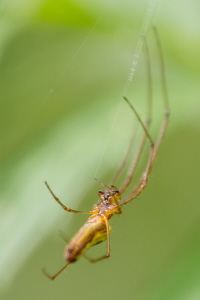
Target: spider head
112,196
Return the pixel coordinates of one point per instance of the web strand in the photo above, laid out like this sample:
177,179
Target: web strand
145,26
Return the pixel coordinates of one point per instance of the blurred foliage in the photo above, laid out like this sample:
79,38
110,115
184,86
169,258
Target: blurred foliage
64,65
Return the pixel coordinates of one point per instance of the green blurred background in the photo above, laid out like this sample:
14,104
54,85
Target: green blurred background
63,68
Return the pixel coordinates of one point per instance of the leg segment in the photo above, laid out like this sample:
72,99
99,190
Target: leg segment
153,149
140,150
63,206
145,125
142,182
58,273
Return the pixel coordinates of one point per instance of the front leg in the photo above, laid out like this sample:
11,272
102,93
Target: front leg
65,207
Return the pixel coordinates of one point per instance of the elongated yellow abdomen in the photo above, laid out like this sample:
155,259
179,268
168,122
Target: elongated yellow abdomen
90,234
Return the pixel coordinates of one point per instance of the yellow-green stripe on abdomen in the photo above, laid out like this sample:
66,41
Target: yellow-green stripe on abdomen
91,233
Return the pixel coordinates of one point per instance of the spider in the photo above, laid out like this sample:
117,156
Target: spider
97,228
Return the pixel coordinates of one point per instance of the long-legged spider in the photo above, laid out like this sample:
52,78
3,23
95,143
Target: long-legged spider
97,228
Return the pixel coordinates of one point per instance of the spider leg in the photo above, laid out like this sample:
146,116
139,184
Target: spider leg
153,148
65,207
63,236
140,150
133,166
147,123
142,182
144,179
58,273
